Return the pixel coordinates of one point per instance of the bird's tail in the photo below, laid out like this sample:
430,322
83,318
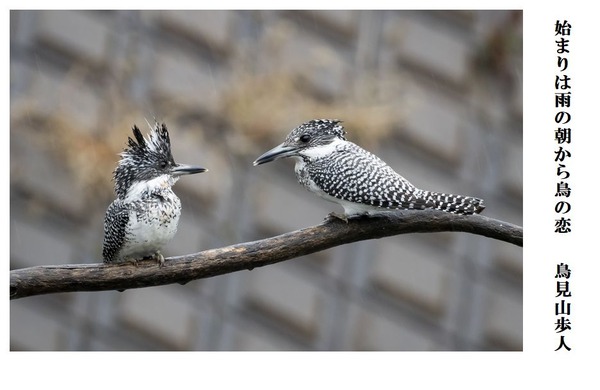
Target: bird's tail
457,204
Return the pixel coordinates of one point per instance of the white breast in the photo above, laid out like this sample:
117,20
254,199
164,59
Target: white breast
149,231
153,219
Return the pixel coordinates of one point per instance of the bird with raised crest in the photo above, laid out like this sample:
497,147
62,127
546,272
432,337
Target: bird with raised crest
344,173
145,214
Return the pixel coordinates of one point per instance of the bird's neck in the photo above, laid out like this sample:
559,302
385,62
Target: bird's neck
141,189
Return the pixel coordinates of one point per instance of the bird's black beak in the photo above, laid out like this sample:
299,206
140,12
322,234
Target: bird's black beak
277,152
182,169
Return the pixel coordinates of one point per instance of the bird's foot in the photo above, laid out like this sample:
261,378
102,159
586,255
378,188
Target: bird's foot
159,258
333,216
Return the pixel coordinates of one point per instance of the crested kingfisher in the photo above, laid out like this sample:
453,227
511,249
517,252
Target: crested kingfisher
344,173
145,214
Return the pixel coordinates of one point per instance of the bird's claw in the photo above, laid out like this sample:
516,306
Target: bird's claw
333,216
160,259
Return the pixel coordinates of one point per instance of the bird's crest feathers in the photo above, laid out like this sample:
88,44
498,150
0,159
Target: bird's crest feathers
142,156
319,128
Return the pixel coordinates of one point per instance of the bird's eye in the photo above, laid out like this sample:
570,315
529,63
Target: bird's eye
305,138
163,164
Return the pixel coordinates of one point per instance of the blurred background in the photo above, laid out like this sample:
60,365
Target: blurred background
436,94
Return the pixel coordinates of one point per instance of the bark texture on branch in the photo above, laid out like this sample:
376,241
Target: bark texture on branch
182,269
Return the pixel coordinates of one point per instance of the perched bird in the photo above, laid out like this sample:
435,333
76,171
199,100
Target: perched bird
344,173
145,215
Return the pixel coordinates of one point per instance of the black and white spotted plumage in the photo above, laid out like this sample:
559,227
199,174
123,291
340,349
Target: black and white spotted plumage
145,214
115,226
343,172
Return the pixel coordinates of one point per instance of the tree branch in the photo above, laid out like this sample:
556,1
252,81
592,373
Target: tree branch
182,269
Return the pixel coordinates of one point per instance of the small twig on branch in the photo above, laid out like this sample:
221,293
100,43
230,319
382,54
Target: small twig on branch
182,269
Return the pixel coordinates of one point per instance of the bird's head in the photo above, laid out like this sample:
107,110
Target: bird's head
147,159
307,140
